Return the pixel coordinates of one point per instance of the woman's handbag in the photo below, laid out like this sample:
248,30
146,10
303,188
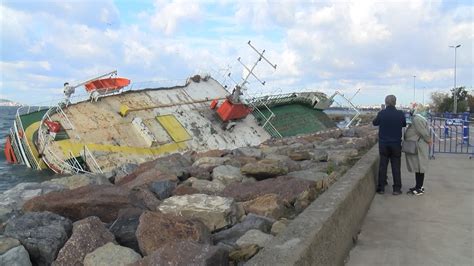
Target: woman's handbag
409,146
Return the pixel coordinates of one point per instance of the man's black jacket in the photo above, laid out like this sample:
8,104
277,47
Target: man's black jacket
390,122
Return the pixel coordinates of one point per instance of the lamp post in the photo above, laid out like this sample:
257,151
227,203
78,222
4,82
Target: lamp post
414,89
455,108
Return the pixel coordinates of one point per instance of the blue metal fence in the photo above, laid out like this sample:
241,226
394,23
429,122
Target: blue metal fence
452,134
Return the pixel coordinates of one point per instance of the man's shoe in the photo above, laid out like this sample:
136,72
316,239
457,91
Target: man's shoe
410,190
380,191
396,192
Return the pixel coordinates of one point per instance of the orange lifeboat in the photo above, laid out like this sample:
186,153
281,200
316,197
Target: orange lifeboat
9,153
107,85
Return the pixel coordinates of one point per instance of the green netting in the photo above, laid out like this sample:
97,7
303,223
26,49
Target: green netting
294,119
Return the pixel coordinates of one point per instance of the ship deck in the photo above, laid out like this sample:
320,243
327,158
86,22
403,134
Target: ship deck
179,118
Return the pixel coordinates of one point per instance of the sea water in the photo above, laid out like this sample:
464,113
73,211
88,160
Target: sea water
13,174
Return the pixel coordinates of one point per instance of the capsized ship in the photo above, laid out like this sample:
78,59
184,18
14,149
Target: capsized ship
119,122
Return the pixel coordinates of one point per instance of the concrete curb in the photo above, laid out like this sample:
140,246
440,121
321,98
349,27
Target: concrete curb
323,234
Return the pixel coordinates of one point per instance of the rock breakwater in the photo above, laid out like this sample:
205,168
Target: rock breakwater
213,208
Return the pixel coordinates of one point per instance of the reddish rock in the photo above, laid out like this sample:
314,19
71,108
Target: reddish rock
143,198
87,235
186,253
264,169
184,189
286,188
267,205
146,178
156,229
200,172
103,201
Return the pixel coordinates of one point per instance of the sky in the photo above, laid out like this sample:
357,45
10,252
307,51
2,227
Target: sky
374,47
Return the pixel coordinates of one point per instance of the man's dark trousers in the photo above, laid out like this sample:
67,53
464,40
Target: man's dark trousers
392,153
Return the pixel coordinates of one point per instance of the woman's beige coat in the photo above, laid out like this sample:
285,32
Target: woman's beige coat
418,131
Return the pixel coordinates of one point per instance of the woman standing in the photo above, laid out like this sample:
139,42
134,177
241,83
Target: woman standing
418,131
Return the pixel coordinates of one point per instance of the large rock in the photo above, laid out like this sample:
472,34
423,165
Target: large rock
157,229
143,198
251,221
285,161
111,254
184,189
7,243
286,188
163,189
319,155
125,227
146,178
264,169
314,174
15,197
299,155
206,187
41,233
268,205
200,172
227,174
211,162
175,164
17,256
103,201
339,157
87,235
214,211
186,252
254,237
279,226
244,253
248,152
75,181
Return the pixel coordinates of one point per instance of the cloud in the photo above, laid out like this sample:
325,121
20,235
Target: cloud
169,14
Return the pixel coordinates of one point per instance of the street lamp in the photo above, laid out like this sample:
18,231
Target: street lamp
455,109
414,89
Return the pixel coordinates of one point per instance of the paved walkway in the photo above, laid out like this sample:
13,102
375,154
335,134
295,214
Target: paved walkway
432,229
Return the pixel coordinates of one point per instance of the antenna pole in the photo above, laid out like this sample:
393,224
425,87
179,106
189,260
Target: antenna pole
238,88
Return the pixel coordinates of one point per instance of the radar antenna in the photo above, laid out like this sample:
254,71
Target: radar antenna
235,97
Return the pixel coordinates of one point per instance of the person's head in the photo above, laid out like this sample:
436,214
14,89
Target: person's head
421,110
390,100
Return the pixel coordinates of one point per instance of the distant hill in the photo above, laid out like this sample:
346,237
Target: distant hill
5,102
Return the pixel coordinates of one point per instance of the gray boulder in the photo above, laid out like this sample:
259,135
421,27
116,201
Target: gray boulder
227,174
17,256
248,151
41,233
314,174
15,197
111,254
264,169
162,188
7,243
251,221
125,227
187,252
205,186
254,237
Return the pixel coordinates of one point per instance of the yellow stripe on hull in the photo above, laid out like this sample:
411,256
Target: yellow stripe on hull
76,148
29,132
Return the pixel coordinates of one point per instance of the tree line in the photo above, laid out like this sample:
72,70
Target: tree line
444,102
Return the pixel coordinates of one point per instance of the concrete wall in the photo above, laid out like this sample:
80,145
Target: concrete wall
323,234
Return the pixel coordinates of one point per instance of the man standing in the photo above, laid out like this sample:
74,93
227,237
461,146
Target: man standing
390,122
